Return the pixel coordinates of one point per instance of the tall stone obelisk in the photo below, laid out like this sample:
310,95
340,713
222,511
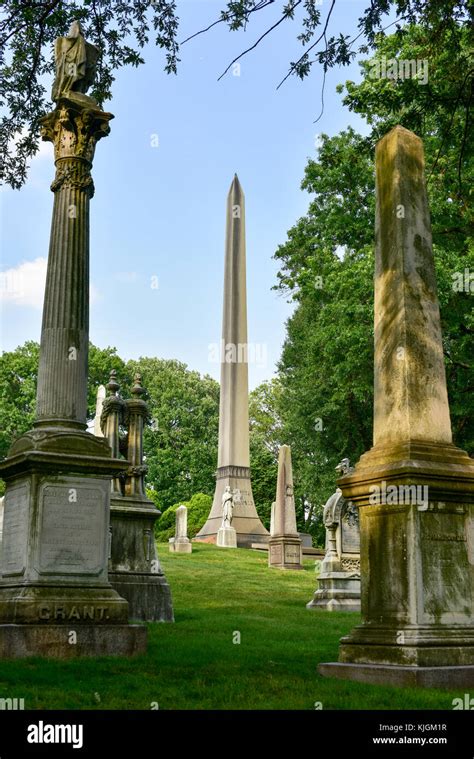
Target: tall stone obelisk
55,597
233,465
414,488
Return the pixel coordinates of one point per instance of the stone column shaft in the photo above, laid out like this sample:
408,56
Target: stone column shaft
62,372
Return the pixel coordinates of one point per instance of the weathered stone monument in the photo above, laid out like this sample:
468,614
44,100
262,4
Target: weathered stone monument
233,466
181,543
284,548
414,488
55,596
134,567
339,578
227,536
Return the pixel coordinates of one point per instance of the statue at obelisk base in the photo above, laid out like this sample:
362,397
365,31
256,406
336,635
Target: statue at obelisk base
181,543
55,596
134,567
339,578
227,536
285,547
233,464
414,488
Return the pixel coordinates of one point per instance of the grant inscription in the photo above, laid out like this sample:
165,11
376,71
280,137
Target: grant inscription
72,529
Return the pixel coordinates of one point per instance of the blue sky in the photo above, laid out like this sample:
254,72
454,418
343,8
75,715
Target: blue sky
159,211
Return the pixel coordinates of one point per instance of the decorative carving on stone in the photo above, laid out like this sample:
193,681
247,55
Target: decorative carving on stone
242,472
350,565
351,515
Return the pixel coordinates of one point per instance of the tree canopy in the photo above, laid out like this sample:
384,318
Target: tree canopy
327,262
122,30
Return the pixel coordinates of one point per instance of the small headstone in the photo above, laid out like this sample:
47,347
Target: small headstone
284,549
181,543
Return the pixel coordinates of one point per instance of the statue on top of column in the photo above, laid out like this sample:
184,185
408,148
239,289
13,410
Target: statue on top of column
75,66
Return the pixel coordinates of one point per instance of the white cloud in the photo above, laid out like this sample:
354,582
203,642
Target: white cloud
23,285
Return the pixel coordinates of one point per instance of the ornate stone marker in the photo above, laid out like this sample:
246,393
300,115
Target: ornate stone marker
339,579
284,548
181,543
134,566
55,597
414,488
233,466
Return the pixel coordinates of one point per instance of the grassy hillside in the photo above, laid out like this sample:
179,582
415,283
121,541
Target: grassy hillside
194,663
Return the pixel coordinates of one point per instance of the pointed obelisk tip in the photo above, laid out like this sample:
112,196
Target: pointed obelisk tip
236,188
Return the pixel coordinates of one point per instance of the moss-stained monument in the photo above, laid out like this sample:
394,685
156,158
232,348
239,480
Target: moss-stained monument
55,597
414,488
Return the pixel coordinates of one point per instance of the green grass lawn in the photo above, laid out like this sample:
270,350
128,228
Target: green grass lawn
194,663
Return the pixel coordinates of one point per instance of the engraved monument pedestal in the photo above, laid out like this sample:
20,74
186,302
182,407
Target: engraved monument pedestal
55,598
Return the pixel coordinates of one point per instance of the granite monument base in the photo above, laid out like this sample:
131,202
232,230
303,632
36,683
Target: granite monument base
149,596
285,553
54,548
337,592
402,677
180,545
226,537
70,642
246,521
134,567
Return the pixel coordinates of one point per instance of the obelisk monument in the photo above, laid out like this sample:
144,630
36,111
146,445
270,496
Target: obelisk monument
414,488
233,465
55,597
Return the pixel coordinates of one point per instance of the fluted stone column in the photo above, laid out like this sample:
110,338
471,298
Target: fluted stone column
54,580
414,488
62,373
